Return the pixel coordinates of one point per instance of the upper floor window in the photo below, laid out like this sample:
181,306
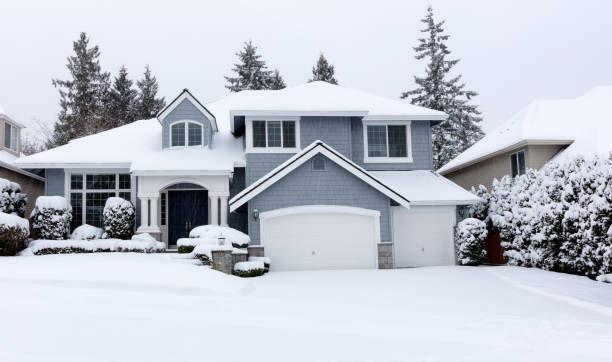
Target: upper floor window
387,142
185,134
274,135
517,163
10,136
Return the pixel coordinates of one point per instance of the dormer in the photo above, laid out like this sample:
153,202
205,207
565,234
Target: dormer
186,123
10,134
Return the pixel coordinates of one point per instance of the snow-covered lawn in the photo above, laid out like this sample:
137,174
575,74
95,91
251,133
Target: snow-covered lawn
156,307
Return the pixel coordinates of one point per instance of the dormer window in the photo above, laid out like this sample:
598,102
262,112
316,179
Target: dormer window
185,133
10,136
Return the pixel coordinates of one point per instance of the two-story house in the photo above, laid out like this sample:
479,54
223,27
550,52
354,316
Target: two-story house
318,175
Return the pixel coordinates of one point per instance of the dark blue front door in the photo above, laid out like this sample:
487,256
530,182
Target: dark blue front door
186,210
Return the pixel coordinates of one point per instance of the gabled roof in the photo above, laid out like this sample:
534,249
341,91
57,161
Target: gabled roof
315,148
584,122
185,94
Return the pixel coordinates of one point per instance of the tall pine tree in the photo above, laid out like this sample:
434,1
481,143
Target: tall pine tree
251,71
84,98
123,101
439,91
276,81
323,71
147,103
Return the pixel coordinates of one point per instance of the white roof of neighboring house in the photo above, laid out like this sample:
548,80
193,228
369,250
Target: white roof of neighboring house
584,122
423,187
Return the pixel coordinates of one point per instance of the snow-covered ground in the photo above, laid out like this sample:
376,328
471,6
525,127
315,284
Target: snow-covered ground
158,307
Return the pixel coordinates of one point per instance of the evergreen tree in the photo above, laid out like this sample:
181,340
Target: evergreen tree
123,101
437,90
323,71
83,99
147,103
251,71
277,82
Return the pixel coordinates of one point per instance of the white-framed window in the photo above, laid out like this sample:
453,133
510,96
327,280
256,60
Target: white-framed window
11,136
88,192
186,134
387,142
517,163
273,135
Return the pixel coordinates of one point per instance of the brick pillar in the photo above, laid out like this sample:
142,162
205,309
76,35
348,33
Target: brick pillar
385,256
222,261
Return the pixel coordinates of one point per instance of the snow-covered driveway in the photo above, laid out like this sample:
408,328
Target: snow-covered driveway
138,307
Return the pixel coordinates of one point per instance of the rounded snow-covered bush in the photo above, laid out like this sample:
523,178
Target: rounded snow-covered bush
236,238
86,232
12,201
470,238
14,232
119,218
263,259
247,269
51,217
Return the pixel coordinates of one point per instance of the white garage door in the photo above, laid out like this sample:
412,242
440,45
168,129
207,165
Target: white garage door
320,237
423,236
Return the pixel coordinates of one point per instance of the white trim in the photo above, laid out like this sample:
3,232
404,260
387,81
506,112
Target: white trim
84,165
317,147
181,173
186,95
387,159
382,117
20,171
248,122
186,127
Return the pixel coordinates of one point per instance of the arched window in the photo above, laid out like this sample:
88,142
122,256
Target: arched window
185,133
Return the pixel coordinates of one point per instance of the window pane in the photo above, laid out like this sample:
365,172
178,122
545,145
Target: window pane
397,141
521,162
513,164
101,182
274,134
76,182
76,201
7,135
162,214
377,141
126,196
94,206
194,134
14,133
178,134
288,134
259,133
125,181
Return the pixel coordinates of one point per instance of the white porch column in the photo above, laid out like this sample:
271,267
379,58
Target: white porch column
144,212
153,221
223,210
214,210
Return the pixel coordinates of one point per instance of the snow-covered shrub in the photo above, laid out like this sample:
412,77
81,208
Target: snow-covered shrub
186,245
12,201
263,259
46,247
236,238
119,218
203,252
247,269
51,217
470,236
86,232
480,210
14,232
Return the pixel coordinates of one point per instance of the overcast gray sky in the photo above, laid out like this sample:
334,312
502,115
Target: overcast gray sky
511,52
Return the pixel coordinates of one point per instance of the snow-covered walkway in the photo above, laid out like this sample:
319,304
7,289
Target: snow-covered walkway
154,307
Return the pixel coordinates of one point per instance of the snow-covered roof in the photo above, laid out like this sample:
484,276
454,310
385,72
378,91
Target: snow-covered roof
5,115
423,187
584,122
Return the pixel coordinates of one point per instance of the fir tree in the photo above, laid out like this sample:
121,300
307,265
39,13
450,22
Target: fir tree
251,71
439,91
84,98
323,71
147,103
123,101
277,82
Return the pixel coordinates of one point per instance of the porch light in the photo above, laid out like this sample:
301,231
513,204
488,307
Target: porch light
255,214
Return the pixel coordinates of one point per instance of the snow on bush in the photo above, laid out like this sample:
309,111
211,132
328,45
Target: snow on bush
203,252
605,278
12,201
51,217
557,218
14,232
470,236
247,269
236,238
186,245
45,247
263,259
119,218
86,232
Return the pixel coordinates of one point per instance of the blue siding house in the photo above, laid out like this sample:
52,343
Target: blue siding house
319,176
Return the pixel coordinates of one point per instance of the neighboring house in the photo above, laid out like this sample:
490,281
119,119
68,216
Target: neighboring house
31,184
551,129
318,175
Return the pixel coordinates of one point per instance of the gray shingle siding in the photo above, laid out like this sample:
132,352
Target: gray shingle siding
186,111
334,186
259,164
54,182
335,131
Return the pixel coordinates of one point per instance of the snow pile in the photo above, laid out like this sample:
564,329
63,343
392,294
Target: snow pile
247,269
605,278
470,238
44,247
52,202
236,238
557,218
119,218
51,217
143,237
86,232
11,198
